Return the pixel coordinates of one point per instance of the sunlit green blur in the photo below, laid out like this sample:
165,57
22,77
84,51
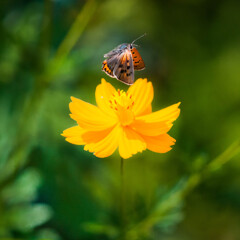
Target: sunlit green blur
53,190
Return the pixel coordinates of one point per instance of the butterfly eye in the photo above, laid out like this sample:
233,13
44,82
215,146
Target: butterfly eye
131,46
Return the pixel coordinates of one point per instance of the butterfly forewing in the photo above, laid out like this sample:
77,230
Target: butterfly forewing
116,51
137,60
124,71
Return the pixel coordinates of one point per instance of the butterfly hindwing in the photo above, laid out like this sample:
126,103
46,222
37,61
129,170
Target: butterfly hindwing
124,71
106,69
137,60
110,64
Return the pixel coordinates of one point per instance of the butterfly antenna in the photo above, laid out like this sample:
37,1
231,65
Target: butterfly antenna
139,38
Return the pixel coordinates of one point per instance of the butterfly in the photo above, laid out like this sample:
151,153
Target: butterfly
121,62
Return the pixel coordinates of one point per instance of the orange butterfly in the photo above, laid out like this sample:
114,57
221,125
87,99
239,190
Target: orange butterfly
121,62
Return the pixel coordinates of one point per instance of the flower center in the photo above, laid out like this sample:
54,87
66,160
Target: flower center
122,103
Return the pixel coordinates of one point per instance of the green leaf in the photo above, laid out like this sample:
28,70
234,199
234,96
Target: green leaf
97,228
24,189
47,234
25,218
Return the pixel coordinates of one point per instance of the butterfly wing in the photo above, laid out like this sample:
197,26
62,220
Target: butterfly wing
137,60
116,51
107,69
111,63
124,70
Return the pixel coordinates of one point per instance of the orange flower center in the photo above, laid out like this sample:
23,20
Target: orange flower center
122,103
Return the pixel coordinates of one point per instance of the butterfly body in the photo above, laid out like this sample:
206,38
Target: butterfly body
121,62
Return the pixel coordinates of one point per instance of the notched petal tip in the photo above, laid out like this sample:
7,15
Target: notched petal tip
73,98
77,100
74,135
141,80
64,133
159,144
103,80
105,85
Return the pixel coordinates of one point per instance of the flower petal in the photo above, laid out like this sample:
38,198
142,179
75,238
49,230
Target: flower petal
130,143
168,114
148,110
103,93
159,144
95,136
89,116
74,135
156,123
142,94
150,128
79,136
106,146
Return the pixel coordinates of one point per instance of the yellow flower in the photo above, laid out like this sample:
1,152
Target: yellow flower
122,120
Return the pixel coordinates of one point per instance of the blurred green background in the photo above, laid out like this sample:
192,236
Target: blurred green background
49,189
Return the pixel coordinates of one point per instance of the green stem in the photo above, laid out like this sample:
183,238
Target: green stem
72,37
122,203
122,169
213,166
193,181
223,158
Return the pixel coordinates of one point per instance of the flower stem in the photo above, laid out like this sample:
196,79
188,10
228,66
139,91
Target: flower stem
122,203
122,170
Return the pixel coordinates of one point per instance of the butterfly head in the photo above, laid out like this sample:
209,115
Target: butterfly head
131,46
126,46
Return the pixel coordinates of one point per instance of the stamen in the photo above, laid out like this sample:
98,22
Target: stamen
122,100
